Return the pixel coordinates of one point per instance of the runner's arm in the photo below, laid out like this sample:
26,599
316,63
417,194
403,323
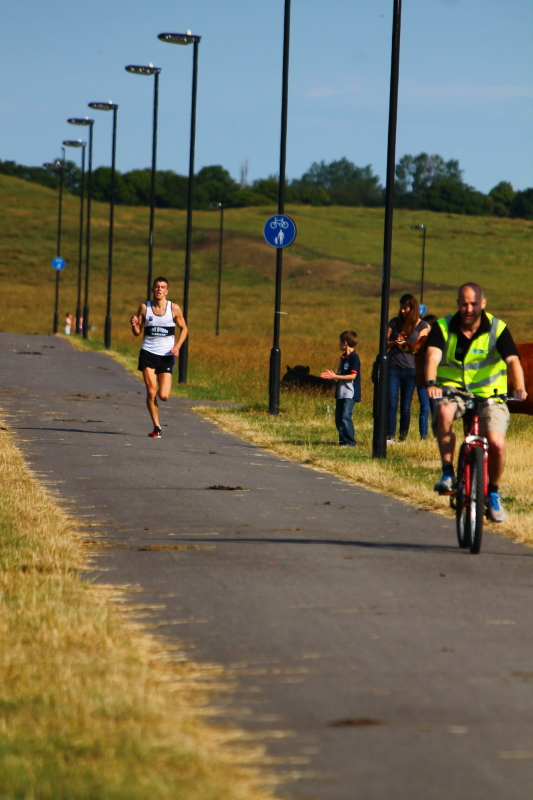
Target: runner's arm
517,377
137,322
179,319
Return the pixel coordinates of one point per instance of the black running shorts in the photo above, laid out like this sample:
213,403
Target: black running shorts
159,363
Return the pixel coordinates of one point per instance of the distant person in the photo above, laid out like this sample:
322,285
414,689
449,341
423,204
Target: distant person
68,324
159,318
404,334
420,381
348,390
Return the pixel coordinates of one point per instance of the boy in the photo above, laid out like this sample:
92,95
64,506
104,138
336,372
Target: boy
348,387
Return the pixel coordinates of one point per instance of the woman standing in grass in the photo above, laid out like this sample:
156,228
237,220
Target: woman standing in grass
404,336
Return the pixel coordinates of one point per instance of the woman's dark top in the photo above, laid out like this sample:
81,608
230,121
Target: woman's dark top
398,358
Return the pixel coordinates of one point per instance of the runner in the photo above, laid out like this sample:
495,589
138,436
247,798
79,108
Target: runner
159,318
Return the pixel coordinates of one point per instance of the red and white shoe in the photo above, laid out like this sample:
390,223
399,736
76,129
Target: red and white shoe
156,433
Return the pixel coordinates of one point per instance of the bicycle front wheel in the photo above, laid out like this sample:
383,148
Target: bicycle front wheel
477,498
462,517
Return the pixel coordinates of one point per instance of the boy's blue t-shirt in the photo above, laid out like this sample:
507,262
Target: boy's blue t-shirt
349,390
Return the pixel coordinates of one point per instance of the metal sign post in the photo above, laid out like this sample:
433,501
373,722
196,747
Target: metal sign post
275,353
381,365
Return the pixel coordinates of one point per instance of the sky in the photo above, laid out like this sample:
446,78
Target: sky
466,83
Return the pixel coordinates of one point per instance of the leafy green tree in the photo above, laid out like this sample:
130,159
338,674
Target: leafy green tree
344,183
457,198
214,185
502,197
415,175
522,205
250,197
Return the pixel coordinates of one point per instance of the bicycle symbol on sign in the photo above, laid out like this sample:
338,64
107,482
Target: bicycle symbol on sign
279,223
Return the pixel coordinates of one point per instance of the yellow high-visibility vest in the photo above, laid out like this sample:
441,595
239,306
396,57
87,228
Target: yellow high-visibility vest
484,371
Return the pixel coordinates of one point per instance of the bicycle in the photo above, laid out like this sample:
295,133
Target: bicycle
469,498
279,223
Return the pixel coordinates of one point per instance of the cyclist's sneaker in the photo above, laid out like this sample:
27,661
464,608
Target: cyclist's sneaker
446,485
156,433
495,509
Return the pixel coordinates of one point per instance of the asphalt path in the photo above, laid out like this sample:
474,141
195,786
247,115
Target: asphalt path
375,659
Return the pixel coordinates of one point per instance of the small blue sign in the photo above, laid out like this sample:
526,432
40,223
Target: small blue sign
422,309
59,263
280,231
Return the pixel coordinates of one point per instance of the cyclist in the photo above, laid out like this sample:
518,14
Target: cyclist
470,352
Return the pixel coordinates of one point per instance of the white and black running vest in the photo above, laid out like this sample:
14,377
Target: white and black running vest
159,336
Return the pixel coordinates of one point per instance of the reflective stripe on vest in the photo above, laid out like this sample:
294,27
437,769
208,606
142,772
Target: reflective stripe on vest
484,371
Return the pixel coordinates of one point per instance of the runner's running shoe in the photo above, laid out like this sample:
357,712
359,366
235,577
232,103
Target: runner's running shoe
495,509
156,433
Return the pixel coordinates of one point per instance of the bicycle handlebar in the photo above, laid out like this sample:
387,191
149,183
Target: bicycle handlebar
505,398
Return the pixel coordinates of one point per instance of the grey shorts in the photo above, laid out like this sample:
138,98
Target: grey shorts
492,416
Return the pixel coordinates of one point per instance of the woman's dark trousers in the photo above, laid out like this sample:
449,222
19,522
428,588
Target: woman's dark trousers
401,388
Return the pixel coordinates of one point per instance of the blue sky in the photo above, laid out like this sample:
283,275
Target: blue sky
466,82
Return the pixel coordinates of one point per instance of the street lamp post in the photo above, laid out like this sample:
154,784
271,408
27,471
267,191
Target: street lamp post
275,353
187,38
83,145
90,123
109,106
423,229
150,70
60,167
381,366
220,242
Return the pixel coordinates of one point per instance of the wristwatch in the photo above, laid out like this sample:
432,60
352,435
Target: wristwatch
430,383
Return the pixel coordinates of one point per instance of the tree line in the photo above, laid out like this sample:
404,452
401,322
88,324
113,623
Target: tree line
422,182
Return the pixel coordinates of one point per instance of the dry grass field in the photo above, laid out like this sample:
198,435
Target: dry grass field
91,707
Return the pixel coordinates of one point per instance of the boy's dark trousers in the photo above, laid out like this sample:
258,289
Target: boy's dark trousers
343,420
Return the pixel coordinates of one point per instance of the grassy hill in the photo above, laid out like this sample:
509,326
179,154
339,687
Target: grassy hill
332,281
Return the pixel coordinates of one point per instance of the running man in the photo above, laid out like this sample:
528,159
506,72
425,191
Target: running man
159,318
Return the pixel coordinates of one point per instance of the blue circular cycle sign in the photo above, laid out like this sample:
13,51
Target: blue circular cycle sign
280,231
422,308
59,263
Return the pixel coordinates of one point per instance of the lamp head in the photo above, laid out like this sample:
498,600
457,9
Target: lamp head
109,106
138,70
74,143
52,165
179,38
80,121
418,227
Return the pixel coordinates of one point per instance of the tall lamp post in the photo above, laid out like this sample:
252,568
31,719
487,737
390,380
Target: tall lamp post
150,70
109,106
90,123
220,242
83,145
381,366
58,166
187,38
423,229
275,353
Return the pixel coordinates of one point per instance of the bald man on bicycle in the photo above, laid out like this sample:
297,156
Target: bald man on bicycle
470,352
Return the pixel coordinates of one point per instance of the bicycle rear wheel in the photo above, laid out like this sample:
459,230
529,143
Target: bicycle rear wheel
462,518
477,498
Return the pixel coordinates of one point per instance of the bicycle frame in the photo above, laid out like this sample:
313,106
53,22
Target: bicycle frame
474,439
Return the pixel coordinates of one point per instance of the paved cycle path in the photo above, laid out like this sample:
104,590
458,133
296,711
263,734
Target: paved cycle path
375,659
